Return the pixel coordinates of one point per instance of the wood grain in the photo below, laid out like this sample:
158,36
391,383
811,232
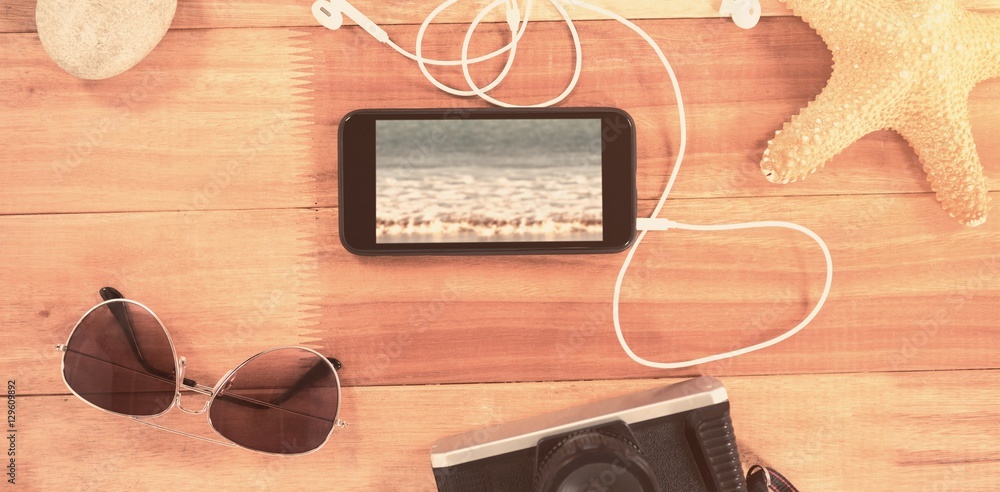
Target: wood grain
229,284
908,431
185,266
188,129
739,87
203,184
19,15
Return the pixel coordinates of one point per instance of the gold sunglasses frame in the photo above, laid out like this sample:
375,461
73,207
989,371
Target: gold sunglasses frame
180,365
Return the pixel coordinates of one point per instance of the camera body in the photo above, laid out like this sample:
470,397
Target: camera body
675,438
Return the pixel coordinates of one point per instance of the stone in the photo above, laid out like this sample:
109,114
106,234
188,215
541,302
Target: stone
98,39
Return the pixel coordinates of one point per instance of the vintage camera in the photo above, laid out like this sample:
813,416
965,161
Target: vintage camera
675,438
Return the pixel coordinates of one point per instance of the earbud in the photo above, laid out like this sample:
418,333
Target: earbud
513,15
330,13
745,13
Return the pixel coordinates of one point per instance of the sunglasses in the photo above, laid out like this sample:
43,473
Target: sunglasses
120,359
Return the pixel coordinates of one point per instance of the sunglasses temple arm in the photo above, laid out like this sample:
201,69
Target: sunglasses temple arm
121,314
182,433
307,379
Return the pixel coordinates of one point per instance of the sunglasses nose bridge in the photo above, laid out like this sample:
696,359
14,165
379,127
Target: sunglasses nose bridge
204,406
182,383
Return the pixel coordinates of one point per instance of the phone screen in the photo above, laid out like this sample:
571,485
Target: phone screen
487,181
472,181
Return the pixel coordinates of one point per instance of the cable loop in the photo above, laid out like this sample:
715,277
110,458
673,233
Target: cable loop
648,224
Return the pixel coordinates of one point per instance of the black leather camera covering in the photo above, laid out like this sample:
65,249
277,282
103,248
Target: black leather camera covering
689,452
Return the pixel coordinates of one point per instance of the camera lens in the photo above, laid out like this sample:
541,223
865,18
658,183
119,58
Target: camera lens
595,462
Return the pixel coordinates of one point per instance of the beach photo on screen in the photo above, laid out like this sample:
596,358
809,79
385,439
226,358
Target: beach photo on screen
477,180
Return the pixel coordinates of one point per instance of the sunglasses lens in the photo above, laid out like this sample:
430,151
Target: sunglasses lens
120,359
283,401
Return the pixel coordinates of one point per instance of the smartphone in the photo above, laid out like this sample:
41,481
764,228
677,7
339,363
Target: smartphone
487,181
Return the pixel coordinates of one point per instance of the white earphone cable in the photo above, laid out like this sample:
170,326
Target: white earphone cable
511,47
518,27
481,92
677,225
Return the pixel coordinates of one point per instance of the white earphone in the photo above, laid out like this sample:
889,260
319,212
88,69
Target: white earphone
745,13
330,13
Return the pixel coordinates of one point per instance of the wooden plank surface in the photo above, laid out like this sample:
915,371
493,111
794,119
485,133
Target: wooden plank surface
229,284
189,129
19,16
202,183
738,86
905,431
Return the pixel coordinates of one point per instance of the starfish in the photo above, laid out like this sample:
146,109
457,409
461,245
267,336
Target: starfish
905,65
